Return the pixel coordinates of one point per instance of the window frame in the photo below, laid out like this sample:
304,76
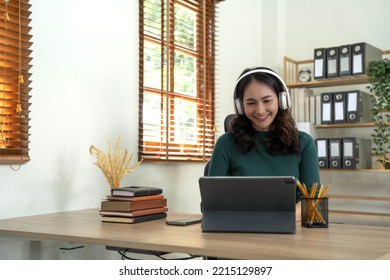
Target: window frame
166,149
15,81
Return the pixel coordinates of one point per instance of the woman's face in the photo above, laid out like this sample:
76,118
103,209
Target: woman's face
260,105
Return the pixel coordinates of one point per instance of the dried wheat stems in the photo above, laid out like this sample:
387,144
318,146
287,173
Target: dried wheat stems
115,165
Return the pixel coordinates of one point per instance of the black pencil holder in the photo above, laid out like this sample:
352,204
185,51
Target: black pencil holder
314,212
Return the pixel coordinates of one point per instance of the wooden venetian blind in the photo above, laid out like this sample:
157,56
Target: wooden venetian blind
176,79
14,81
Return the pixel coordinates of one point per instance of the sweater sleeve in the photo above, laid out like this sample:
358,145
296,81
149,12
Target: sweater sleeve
219,163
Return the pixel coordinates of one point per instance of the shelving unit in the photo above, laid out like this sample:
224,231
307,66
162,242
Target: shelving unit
345,125
290,73
291,69
330,82
360,196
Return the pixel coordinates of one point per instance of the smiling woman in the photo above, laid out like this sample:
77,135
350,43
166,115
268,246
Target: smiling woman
264,140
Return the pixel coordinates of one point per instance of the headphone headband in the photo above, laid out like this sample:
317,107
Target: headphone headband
260,70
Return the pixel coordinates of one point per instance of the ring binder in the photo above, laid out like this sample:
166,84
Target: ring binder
319,63
326,108
362,54
339,107
332,62
356,153
335,153
322,151
345,60
358,106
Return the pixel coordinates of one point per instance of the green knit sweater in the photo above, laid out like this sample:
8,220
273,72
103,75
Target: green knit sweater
227,160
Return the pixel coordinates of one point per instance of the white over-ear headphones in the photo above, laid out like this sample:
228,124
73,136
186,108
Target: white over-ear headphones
284,96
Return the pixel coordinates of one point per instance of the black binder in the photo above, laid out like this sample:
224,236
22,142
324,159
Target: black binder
356,153
345,60
319,63
339,112
362,54
326,108
323,152
335,153
358,107
332,62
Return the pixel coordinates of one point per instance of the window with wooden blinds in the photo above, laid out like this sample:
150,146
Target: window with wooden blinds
14,81
176,74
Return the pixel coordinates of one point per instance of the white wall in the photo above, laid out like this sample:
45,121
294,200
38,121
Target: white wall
85,89
239,47
84,92
313,24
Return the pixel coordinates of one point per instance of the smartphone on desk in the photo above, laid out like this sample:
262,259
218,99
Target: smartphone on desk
183,222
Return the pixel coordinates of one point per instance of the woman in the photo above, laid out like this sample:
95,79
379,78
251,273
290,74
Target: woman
264,140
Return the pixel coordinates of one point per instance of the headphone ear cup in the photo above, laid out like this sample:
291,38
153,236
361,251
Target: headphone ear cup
238,106
284,101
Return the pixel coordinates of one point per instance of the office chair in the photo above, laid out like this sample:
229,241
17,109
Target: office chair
227,126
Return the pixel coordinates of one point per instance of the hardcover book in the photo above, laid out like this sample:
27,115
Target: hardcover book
135,213
136,198
132,205
136,191
129,220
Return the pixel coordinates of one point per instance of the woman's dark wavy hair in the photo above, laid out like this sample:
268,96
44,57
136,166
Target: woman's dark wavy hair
284,137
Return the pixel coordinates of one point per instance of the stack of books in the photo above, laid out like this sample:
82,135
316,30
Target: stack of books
134,204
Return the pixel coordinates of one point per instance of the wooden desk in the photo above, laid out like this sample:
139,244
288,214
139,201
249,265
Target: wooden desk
85,226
